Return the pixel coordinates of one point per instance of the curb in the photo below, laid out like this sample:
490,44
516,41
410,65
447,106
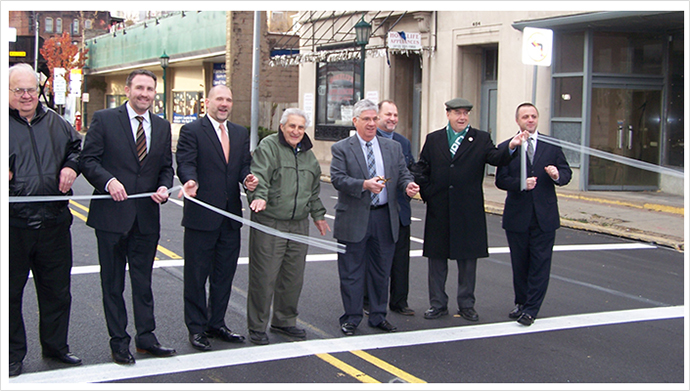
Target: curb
674,243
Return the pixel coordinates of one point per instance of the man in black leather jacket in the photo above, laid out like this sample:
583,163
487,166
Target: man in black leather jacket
44,160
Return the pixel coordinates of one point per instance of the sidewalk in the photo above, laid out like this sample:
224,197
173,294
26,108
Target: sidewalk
653,217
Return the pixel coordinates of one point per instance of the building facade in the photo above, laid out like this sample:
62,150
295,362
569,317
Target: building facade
615,83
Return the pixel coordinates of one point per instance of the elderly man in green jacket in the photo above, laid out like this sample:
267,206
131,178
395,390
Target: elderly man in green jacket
288,192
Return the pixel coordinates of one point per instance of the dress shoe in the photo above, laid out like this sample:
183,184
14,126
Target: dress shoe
433,312
386,326
348,329
15,368
469,314
407,311
258,337
516,312
290,331
123,356
157,350
67,358
526,319
224,334
200,342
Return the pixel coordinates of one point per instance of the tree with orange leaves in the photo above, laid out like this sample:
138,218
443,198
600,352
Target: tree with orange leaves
60,52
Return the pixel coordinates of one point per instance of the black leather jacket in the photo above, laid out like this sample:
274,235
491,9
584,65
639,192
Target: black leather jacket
37,152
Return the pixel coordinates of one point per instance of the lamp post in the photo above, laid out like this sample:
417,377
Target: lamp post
165,59
362,33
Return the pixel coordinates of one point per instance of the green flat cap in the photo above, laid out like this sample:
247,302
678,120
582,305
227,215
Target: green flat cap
458,103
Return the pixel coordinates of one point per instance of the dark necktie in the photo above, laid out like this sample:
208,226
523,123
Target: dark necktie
141,139
371,165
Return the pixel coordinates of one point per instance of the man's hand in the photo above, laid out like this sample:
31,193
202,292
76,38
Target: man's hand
250,182
531,183
322,226
553,172
11,175
67,177
190,187
412,189
258,205
161,195
374,185
117,190
518,139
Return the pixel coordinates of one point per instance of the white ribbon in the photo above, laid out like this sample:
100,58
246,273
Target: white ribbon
316,242
612,157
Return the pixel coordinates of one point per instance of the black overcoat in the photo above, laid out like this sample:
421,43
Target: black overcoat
455,225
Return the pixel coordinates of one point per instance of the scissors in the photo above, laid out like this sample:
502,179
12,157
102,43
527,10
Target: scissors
382,179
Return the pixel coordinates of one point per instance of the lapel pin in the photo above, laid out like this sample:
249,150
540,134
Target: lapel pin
470,139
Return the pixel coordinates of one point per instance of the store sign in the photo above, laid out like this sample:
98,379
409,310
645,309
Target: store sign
537,45
219,76
17,54
59,85
404,41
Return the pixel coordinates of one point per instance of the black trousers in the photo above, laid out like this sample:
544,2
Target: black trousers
530,257
115,251
212,256
47,252
400,270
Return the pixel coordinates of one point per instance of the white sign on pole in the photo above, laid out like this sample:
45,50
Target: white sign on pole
59,85
537,46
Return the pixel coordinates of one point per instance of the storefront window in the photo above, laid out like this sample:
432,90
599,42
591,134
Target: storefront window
157,108
337,90
625,53
675,137
567,97
186,106
569,48
113,101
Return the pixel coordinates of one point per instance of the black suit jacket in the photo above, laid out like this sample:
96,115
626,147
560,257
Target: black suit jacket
542,200
200,158
110,151
452,187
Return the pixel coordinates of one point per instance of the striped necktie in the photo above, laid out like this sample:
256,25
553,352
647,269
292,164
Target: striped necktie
530,150
371,165
141,139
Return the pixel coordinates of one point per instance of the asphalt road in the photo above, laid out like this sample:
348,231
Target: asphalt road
614,313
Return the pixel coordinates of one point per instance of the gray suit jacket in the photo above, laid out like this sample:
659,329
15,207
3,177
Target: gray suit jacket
348,173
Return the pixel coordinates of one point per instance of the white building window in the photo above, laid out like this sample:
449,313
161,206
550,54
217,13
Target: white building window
87,24
58,25
75,27
49,25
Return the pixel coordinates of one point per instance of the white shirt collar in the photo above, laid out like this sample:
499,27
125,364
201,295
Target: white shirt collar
132,114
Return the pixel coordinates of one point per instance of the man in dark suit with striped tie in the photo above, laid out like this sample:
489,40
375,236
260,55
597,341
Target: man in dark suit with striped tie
127,151
530,216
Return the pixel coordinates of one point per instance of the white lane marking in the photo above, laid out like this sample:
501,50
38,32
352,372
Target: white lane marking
255,354
413,254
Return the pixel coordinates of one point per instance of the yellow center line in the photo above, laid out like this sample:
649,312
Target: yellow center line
387,367
354,372
160,248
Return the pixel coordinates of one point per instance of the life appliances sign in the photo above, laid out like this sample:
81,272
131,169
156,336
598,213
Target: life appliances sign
404,41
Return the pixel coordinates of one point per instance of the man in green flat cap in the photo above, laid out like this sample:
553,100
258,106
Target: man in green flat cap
450,173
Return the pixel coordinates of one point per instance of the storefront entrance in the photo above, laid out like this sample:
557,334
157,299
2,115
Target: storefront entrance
625,122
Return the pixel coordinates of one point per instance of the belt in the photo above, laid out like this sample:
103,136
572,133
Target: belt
374,207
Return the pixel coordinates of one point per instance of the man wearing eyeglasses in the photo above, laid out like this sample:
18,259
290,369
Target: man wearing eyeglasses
368,171
44,161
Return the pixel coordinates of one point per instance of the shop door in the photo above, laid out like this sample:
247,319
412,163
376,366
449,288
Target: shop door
624,122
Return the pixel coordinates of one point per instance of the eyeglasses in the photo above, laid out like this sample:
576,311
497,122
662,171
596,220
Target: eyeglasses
19,92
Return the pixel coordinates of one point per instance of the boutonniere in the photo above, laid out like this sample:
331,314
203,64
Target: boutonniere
470,139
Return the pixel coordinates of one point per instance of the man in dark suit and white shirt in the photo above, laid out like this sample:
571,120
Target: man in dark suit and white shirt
127,151
530,216
368,172
212,161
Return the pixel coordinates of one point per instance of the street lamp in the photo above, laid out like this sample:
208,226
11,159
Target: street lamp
362,33
165,59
